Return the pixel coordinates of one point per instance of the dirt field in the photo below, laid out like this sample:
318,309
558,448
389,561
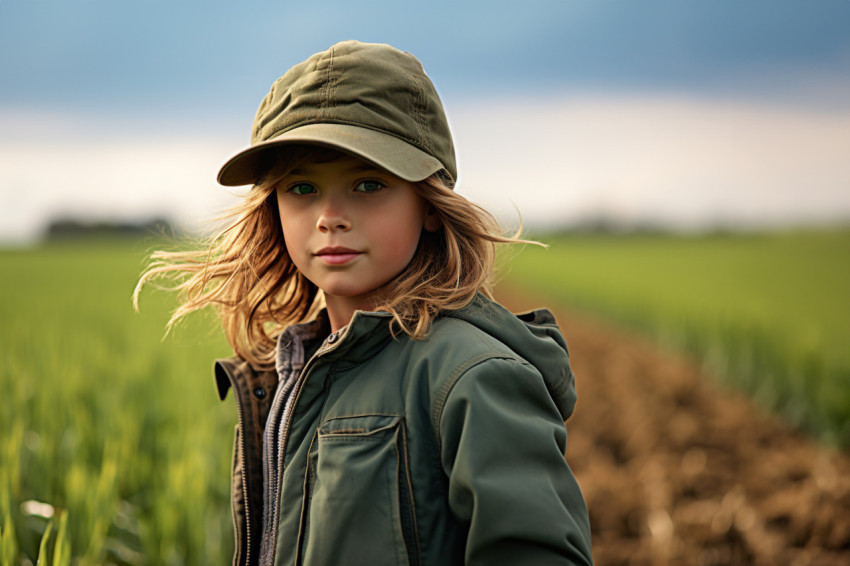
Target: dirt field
676,470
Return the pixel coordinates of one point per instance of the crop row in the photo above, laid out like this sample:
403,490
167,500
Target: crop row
115,448
768,313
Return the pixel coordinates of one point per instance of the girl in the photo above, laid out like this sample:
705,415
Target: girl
389,411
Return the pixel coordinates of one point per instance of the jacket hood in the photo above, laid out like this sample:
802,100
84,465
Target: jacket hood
535,337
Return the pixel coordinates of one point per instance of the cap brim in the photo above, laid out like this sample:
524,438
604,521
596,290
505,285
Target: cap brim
386,151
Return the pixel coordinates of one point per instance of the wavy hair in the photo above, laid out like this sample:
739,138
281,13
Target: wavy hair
246,273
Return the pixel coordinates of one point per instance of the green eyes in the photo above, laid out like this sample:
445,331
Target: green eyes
368,186
301,189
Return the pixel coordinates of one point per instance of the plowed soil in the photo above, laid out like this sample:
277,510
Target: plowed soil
678,470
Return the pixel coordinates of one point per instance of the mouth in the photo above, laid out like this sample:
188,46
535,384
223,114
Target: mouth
336,255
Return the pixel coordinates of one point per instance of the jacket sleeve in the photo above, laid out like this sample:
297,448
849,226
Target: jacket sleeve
502,448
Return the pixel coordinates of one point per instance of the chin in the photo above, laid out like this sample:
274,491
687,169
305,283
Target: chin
344,291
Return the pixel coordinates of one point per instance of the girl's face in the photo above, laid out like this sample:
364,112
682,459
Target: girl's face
350,228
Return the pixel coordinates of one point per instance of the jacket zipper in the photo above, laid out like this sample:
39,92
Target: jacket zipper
282,436
269,457
243,460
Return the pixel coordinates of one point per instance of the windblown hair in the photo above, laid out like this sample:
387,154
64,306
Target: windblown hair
246,273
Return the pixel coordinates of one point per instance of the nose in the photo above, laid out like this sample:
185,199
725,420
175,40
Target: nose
333,218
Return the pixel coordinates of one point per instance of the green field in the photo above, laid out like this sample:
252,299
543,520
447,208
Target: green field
120,436
767,312
103,421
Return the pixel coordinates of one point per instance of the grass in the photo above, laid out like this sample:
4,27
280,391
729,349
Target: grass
766,312
115,448
115,433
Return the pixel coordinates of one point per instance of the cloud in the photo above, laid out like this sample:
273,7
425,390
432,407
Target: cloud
55,165
681,161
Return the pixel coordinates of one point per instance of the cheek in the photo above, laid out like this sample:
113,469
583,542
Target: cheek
400,226
294,242
402,249
400,239
293,226
291,218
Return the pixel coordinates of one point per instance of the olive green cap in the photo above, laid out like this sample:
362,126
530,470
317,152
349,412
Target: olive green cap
367,99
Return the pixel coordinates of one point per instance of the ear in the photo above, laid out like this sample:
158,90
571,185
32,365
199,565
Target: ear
432,220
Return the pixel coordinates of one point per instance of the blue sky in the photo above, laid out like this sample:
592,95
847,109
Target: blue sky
100,75
177,54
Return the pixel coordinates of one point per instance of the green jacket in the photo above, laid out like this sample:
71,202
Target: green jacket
447,450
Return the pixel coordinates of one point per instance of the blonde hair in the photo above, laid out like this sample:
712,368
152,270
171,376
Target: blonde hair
246,273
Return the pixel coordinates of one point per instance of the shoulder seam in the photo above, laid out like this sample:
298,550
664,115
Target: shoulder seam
448,385
504,352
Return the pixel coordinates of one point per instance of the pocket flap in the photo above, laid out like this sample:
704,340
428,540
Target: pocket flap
359,425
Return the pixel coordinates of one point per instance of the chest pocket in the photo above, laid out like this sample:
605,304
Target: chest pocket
358,504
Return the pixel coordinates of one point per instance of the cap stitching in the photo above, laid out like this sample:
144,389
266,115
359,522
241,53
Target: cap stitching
333,82
321,109
420,117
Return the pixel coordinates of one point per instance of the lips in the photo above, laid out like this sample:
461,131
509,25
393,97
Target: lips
336,255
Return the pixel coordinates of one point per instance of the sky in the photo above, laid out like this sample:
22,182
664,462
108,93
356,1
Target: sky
674,112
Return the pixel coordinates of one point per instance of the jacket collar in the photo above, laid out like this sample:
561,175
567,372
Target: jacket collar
362,338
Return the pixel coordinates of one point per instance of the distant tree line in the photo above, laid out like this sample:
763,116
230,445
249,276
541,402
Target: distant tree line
68,228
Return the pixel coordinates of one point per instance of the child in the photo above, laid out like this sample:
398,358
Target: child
389,411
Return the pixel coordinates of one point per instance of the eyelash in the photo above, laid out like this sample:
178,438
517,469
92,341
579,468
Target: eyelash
291,188
380,186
